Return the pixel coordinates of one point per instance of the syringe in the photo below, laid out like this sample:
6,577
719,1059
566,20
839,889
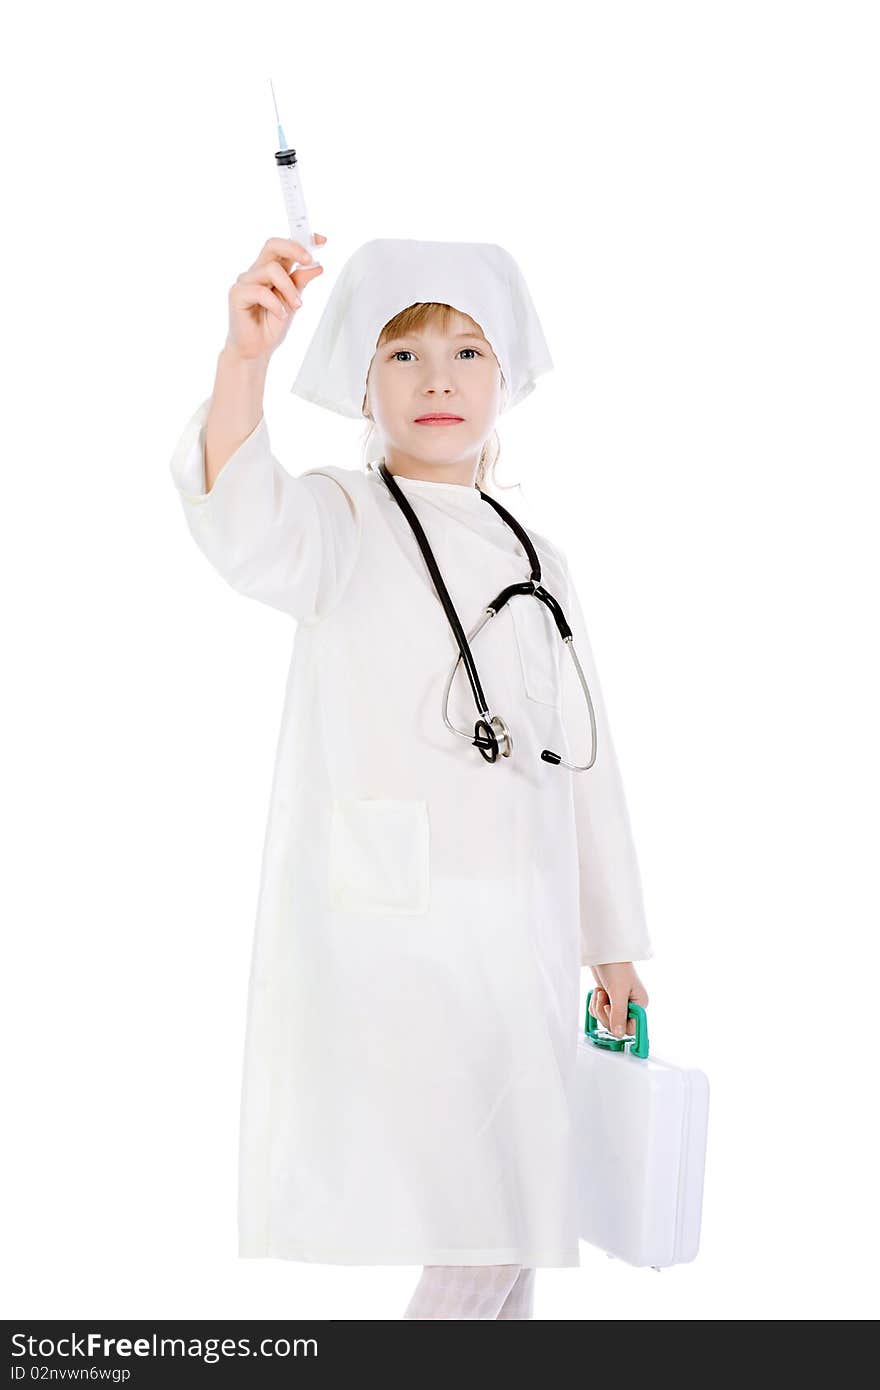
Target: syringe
291,188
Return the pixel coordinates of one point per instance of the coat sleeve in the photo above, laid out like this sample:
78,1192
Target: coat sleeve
290,542
612,912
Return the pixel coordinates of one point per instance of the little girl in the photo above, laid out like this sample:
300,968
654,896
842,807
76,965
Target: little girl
430,882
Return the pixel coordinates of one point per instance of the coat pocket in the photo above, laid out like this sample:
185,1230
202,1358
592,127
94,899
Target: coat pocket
379,856
539,647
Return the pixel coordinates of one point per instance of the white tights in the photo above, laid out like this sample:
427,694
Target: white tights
474,1291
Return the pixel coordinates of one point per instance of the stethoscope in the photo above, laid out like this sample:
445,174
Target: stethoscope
491,735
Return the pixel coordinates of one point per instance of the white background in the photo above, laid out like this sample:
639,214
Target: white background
691,191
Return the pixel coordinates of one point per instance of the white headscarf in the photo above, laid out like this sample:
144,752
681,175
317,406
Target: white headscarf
387,275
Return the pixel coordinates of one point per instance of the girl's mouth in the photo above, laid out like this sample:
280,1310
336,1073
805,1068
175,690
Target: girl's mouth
439,420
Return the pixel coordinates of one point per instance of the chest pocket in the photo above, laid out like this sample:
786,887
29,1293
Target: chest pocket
539,647
379,856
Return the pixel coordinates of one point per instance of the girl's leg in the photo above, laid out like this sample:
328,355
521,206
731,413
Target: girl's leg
462,1291
520,1302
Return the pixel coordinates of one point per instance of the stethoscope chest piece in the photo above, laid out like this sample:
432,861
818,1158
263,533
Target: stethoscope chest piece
493,737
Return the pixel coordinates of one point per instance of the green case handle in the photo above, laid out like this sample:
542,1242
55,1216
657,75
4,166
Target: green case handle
639,1043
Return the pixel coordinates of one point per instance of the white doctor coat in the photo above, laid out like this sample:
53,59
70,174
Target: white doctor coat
422,914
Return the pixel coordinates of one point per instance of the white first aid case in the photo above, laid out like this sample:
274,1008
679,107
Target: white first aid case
640,1136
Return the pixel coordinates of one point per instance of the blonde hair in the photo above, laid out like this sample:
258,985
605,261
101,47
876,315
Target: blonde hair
411,320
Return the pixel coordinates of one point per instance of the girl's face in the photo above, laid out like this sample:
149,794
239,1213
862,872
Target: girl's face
435,372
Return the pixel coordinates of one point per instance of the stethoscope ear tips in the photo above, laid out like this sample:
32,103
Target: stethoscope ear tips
492,738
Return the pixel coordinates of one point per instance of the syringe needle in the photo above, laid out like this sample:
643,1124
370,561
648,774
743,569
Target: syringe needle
282,143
